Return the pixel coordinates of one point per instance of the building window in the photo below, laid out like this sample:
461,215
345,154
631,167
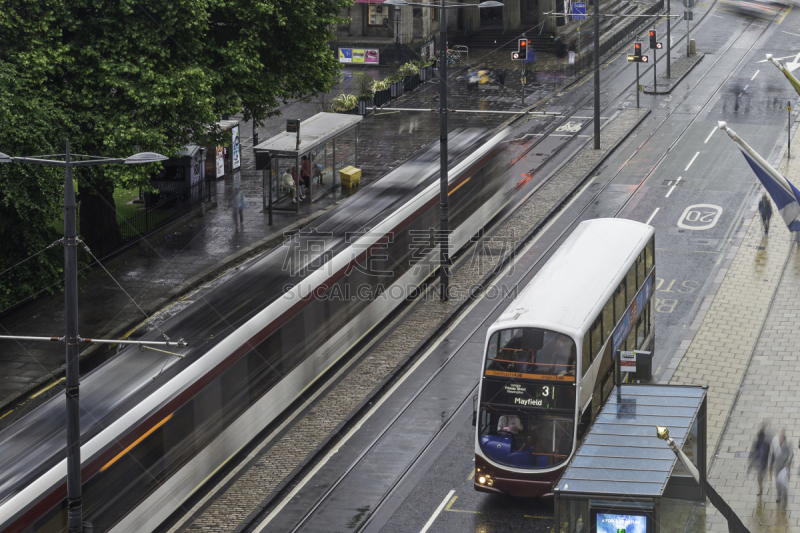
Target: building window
378,15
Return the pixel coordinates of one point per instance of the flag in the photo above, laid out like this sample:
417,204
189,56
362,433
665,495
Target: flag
783,193
787,199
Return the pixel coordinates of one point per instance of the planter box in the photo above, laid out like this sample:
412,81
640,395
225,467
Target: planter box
364,105
381,97
411,82
397,88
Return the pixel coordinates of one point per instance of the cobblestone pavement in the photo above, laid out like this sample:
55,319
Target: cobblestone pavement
256,483
744,350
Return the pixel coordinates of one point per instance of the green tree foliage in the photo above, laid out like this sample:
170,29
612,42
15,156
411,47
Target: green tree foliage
119,77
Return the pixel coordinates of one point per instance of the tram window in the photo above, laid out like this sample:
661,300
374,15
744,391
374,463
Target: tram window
597,336
630,283
640,271
620,302
586,353
650,253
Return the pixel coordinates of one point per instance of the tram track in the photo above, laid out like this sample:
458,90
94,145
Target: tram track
522,248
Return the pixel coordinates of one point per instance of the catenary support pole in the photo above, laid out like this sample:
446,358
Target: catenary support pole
74,514
444,238
669,44
637,84
789,131
596,74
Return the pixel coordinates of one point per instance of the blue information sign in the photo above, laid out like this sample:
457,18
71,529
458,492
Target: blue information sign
578,10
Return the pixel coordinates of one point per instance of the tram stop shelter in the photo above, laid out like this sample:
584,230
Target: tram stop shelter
623,478
328,140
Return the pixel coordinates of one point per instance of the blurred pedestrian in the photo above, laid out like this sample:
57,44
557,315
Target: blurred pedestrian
759,456
238,203
501,79
765,210
780,462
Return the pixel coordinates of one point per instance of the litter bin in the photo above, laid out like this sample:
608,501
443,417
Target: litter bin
350,177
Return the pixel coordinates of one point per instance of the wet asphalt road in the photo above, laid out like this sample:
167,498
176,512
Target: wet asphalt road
695,218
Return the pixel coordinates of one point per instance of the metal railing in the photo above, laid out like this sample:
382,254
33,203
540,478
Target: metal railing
169,206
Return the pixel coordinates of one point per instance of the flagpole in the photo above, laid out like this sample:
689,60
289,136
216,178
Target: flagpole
789,76
757,158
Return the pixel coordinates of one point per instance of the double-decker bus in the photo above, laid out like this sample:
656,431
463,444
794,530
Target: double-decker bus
548,361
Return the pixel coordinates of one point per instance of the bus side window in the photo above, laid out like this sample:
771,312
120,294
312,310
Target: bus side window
631,285
597,336
640,271
620,303
608,317
586,353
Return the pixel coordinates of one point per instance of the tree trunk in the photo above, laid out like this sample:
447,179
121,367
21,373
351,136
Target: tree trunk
98,213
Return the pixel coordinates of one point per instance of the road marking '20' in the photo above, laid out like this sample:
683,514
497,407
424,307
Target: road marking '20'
700,217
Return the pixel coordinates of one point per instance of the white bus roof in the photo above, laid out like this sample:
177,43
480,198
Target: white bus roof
578,279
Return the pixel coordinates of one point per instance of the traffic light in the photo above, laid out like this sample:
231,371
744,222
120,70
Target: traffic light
653,43
523,49
637,56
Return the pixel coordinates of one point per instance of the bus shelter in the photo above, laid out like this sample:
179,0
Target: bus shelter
325,143
623,478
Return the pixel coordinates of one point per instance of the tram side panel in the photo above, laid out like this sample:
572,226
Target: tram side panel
184,447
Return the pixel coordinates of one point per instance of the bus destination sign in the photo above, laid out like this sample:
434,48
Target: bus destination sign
531,395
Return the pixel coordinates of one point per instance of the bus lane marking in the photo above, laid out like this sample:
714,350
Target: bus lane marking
437,512
754,75
450,505
653,215
709,135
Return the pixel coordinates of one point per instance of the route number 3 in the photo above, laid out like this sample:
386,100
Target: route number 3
700,217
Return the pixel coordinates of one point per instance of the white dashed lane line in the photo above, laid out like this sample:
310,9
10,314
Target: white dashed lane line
690,162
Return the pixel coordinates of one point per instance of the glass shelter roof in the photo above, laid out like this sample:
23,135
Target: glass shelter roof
621,454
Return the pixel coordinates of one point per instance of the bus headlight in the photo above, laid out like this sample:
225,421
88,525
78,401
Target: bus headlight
482,480
490,482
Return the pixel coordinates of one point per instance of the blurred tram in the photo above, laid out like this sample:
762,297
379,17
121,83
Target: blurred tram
548,359
156,427
760,9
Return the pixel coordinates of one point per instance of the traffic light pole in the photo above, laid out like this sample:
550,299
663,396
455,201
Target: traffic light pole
655,80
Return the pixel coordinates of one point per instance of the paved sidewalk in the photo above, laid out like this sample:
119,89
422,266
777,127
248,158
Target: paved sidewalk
745,350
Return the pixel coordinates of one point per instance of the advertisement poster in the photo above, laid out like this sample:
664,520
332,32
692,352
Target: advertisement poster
220,158
358,56
620,523
237,155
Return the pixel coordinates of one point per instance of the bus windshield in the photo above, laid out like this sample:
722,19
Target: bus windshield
531,353
525,439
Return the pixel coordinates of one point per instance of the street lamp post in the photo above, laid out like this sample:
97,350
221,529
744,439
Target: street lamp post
596,74
444,238
72,338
